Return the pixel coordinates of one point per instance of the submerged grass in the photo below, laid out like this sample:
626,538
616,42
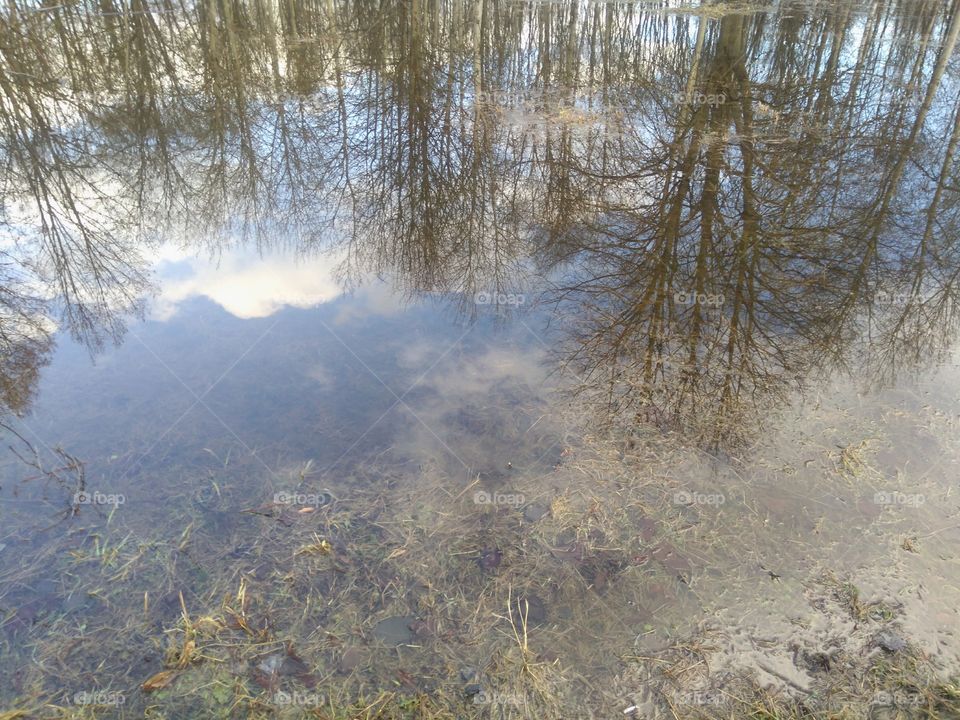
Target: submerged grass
410,592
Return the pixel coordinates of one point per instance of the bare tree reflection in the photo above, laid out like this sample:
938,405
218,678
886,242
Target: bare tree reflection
25,340
770,221
732,202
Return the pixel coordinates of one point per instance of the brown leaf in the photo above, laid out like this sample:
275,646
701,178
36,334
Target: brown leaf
159,681
668,556
406,679
268,681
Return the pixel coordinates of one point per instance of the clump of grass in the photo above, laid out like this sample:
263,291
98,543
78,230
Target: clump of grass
848,595
851,462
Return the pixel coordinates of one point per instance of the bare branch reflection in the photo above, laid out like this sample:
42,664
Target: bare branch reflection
726,205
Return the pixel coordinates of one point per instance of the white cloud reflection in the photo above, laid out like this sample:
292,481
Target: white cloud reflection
243,282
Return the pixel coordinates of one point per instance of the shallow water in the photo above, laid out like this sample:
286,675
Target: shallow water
472,351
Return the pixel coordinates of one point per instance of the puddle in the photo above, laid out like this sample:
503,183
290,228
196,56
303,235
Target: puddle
471,360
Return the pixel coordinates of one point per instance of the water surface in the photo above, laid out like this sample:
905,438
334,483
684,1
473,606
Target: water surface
467,356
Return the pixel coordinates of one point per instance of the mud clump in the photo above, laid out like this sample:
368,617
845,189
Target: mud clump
490,559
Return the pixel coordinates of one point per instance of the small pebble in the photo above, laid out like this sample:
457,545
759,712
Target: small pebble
891,642
534,511
350,659
490,558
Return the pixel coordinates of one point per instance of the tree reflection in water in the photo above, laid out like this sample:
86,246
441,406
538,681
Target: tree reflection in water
798,163
720,207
